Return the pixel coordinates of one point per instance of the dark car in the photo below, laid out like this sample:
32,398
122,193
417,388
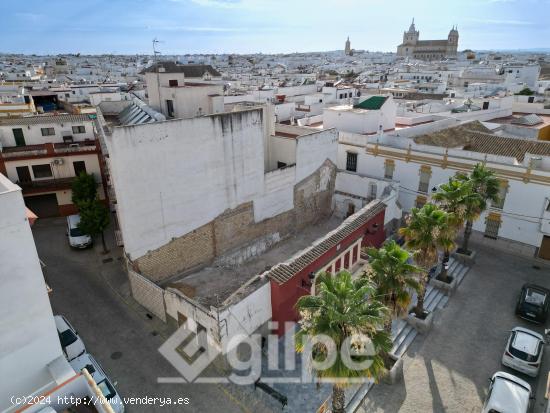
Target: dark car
533,303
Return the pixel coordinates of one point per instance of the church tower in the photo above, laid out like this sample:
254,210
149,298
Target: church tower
452,42
412,35
347,49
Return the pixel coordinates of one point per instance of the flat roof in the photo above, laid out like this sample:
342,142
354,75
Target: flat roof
41,119
212,286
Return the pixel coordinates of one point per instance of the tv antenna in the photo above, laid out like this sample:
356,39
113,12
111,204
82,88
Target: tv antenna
155,51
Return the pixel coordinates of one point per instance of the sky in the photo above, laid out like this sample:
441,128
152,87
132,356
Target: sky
267,26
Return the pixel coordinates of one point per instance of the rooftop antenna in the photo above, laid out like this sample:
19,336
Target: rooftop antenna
155,51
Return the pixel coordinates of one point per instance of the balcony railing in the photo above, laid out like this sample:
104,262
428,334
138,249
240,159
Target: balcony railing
42,149
74,146
15,151
46,184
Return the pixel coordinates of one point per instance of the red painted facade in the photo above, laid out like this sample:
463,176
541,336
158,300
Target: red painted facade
284,296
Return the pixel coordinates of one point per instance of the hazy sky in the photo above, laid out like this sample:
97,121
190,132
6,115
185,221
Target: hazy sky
269,26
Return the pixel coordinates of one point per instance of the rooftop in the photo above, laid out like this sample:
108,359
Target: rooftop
372,103
41,119
473,137
190,70
212,286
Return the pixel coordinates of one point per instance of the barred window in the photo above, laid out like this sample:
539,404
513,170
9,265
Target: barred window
351,162
389,168
503,189
492,225
424,182
373,191
47,131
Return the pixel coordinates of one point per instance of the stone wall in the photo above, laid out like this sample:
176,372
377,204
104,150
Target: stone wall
235,234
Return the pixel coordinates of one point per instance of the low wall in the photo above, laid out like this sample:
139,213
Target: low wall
148,294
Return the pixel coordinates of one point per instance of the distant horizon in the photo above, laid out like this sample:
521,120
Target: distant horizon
263,26
544,50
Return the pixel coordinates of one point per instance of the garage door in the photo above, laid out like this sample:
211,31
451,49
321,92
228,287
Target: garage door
43,205
544,251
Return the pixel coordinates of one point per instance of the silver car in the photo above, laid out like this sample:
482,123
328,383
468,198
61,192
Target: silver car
524,351
71,342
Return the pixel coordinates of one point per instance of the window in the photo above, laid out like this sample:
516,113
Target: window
503,189
420,201
79,129
351,209
373,191
389,168
42,171
425,175
47,131
23,173
173,82
170,108
19,138
351,162
79,167
492,225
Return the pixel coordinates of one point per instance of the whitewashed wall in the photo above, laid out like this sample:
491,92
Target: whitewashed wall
172,177
33,133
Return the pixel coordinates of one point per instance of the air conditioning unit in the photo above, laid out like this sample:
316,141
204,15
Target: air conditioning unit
58,161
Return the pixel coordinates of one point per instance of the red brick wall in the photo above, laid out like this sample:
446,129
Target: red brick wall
285,296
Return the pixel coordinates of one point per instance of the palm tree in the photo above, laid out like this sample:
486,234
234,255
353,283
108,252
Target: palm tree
453,197
392,274
427,230
342,310
486,185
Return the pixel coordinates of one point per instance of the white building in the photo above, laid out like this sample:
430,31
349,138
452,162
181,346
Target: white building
43,155
32,362
521,222
375,114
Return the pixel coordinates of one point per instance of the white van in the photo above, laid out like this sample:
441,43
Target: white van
76,238
87,361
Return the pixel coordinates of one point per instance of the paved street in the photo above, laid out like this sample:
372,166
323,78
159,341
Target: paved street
93,296
448,370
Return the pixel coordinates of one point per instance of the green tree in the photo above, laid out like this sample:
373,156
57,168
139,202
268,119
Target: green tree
94,219
343,311
84,189
394,278
525,92
486,186
427,230
454,197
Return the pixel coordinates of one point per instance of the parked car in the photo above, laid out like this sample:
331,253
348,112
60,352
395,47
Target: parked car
92,366
507,393
76,238
533,303
71,343
524,351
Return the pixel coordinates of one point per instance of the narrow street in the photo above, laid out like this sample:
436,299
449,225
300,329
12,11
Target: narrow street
92,294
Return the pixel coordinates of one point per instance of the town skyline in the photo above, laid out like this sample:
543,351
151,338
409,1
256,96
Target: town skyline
247,27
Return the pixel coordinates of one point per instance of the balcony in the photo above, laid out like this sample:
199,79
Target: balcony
44,185
83,146
52,149
27,150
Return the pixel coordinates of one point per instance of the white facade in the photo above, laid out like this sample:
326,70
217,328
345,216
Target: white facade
204,166
346,118
171,95
31,359
524,215
33,134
